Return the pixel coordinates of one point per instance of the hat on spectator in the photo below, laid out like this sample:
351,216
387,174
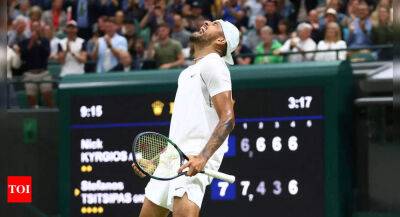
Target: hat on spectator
72,23
232,37
196,4
331,11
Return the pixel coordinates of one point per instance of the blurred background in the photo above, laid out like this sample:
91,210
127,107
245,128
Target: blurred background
64,56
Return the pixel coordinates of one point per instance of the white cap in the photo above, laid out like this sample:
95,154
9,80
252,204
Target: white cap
231,34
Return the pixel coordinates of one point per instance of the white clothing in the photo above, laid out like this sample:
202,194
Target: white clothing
306,45
193,120
72,66
13,61
331,56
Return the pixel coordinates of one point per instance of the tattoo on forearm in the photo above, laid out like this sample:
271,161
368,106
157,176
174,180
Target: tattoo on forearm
219,135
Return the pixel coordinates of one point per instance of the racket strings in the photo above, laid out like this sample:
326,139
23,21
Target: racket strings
149,148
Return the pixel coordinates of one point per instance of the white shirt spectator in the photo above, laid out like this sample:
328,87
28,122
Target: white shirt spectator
306,45
331,56
72,66
13,61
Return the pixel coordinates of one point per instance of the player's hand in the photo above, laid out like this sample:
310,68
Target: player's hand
195,164
137,171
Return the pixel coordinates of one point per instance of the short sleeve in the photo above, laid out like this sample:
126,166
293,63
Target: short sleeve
215,75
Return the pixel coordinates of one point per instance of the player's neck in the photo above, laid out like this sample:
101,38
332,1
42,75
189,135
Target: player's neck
200,52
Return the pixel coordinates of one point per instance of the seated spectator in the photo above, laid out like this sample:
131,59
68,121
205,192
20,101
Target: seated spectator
134,11
107,49
268,45
300,10
56,17
71,51
272,14
35,15
129,32
254,8
167,52
383,33
360,28
19,31
299,43
48,33
193,15
13,62
85,13
252,38
179,33
140,55
156,15
242,50
316,32
35,52
283,31
119,20
232,12
332,41
22,10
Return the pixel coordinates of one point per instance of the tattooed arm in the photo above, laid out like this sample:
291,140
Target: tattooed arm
224,106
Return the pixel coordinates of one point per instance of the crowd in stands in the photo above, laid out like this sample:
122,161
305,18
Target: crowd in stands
104,36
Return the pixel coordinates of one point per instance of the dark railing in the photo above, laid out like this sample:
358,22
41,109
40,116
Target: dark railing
56,80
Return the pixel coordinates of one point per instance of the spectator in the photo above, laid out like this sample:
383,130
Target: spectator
253,8
34,55
383,33
129,32
332,41
119,20
375,14
232,12
19,31
252,38
272,14
195,16
300,10
316,32
45,4
175,7
179,33
23,9
205,6
71,51
85,14
48,33
140,55
35,15
13,62
360,28
56,17
134,11
242,50
167,52
268,45
107,7
299,44
107,49
283,31
156,16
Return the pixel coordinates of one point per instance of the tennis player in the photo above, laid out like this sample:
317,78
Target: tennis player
203,117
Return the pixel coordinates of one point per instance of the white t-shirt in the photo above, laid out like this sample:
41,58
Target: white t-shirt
71,65
194,117
330,56
306,45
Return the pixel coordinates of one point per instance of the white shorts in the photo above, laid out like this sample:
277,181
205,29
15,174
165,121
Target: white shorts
162,193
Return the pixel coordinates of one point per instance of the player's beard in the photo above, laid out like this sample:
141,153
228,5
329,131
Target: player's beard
201,40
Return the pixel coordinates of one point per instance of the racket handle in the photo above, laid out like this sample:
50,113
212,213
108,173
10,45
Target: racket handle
219,175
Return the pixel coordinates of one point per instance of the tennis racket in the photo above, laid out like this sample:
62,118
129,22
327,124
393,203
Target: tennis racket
159,158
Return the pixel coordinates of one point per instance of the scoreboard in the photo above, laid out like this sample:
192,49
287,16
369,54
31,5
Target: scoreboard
282,150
